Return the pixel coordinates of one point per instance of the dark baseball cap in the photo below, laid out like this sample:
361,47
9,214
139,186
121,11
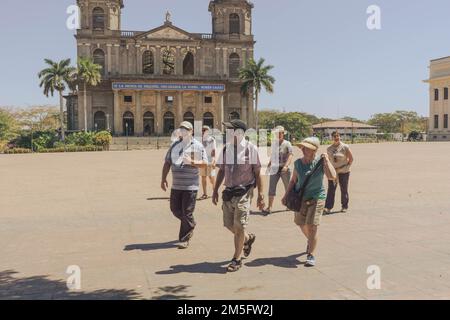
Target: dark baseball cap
236,124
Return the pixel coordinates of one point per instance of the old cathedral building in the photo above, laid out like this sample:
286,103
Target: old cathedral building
153,80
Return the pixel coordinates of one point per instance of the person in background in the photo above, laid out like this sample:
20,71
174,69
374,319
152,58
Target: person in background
209,172
342,159
184,158
281,159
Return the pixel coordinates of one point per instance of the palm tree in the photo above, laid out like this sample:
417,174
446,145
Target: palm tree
88,73
56,78
255,77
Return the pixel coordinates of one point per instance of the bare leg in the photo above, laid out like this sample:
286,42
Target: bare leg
313,238
240,237
213,181
271,199
204,185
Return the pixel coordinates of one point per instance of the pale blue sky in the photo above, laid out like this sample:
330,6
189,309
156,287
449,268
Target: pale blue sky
326,60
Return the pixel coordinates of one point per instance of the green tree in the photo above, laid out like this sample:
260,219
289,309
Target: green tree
255,77
57,77
89,74
296,123
8,125
399,122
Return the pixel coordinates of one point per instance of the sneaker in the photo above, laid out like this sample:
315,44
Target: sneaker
248,245
310,261
344,210
326,211
183,245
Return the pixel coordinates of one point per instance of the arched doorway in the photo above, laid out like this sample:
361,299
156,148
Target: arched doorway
99,121
169,123
208,120
189,116
235,116
149,124
128,123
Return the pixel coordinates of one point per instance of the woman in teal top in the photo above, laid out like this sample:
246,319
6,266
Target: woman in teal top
313,204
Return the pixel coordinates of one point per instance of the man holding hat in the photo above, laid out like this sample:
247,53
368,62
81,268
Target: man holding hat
281,159
184,158
313,201
209,172
239,169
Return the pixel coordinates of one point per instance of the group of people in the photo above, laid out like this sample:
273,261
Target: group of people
239,171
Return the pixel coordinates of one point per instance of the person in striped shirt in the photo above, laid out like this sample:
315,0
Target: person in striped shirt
184,158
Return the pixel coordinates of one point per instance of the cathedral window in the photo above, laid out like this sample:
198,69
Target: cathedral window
98,18
148,62
235,23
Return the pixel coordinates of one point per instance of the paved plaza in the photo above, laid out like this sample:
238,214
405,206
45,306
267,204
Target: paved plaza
105,212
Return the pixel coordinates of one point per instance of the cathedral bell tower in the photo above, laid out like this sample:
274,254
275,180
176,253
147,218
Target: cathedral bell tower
231,18
100,16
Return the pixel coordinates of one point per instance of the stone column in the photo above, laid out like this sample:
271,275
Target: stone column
220,114
117,115
117,58
178,62
139,117
179,113
138,59
225,61
159,115
109,59
158,62
218,62
200,104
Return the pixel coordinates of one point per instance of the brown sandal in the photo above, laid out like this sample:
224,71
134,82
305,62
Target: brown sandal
234,266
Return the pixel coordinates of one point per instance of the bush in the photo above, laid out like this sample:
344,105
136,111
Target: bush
80,139
41,140
17,151
103,139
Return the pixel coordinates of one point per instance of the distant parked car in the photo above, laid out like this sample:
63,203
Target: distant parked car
415,136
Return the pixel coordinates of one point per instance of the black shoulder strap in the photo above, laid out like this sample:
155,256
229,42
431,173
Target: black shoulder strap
308,177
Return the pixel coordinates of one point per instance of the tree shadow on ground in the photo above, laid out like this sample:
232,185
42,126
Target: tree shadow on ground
152,246
43,288
172,293
204,267
290,262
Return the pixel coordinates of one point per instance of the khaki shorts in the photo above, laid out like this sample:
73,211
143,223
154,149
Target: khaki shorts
310,213
207,172
237,211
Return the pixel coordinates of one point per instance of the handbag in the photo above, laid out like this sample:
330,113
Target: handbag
294,198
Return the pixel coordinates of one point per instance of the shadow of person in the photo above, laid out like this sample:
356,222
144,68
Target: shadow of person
281,262
173,293
155,199
264,214
203,267
152,246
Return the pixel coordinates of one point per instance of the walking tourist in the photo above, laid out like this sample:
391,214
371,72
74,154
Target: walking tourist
281,159
209,172
185,157
310,169
239,168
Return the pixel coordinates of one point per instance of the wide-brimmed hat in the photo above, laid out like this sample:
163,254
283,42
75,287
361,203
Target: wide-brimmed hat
279,129
311,143
186,125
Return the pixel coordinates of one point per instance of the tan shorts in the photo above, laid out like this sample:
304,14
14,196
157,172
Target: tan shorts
310,213
237,211
207,172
